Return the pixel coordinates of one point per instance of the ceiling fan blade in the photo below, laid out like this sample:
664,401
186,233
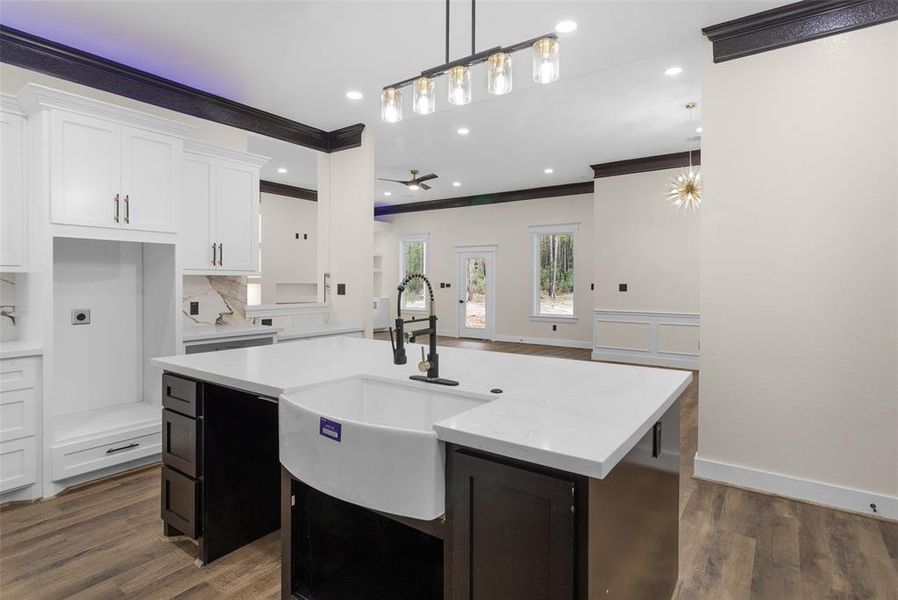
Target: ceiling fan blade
427,177
424,186
393,180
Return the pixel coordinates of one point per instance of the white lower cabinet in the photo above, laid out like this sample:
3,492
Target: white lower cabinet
220,209
78,458
19,440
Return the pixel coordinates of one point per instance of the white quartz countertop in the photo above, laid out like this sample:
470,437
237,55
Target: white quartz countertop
199,333
317,330
577,416
19,349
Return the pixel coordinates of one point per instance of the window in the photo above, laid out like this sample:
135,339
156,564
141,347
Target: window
413,259
554,271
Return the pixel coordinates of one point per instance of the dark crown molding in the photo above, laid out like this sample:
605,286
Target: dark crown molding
58,60
794,24
291,191
567,189
646,163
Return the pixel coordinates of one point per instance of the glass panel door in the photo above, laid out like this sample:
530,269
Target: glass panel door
476,290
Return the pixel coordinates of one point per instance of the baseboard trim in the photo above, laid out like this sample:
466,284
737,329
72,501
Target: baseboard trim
586,344
805,490
643,358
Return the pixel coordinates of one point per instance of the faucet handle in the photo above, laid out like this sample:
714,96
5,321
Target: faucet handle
424,365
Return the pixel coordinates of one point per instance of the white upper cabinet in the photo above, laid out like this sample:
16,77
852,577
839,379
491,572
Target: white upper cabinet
237,217
150,172
109,166
85,171
12,187
220,210
198,174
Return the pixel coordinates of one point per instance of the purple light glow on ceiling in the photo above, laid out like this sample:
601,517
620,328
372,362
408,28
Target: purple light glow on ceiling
156,56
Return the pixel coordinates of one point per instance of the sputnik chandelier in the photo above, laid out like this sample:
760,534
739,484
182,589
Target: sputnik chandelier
685,190
458,73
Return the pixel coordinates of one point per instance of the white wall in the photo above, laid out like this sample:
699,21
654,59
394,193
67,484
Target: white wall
642,241
286,259
799,386
505,225
346,230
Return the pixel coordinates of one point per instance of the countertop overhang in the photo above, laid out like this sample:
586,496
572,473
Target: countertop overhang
576,416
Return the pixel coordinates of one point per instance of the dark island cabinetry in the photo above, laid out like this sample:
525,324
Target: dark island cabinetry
221,474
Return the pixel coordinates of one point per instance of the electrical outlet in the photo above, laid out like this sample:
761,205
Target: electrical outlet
592,287
554,327
442,285
622,287
297,235
194,308
81,316
305,236
266,322
341,289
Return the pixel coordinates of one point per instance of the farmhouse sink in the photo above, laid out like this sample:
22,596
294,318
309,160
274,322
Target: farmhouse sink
370,441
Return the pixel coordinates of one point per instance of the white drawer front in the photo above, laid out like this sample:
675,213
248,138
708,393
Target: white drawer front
85,457
18,414
18,464
17,374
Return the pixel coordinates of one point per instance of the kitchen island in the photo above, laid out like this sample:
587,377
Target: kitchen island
561,470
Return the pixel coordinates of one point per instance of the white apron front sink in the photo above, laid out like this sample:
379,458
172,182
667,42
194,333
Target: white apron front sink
370,441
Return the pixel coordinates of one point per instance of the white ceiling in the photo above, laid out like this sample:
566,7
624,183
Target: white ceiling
298,59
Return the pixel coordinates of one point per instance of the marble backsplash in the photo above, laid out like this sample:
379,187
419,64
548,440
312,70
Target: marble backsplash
222,300
9,331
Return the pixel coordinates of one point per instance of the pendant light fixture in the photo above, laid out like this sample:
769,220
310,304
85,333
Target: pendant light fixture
459,85
391,105
545,60
499,74
685,190
423,100
458,73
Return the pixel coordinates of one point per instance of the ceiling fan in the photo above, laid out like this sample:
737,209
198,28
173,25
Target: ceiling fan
415,182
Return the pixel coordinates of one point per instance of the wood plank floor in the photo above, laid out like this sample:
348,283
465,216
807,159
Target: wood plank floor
105,540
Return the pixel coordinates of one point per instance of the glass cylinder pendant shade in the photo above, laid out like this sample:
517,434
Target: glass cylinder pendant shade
545,60
391,105
423,100
499,74
459,85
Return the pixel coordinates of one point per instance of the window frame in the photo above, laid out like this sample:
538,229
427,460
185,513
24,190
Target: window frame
536,231
403,240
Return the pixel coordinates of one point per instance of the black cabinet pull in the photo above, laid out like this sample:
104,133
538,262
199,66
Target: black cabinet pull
119,449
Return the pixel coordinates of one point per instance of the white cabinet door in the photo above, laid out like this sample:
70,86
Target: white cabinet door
198,174
236,216
85,172
12,191
150,164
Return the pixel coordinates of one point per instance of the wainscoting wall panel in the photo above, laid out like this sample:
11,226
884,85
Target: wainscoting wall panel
647,338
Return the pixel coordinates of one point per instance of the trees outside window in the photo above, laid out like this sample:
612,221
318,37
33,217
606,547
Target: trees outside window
554,254
413,259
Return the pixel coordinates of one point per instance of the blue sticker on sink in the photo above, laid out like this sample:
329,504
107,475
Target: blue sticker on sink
330,429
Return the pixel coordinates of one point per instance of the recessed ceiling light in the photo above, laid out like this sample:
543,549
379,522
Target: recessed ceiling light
456,183
565,26
549,171
671,71
354,95
388,193
698,130
282,169
463,131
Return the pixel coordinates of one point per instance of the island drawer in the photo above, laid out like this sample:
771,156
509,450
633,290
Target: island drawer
181,395
181,502
181,445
